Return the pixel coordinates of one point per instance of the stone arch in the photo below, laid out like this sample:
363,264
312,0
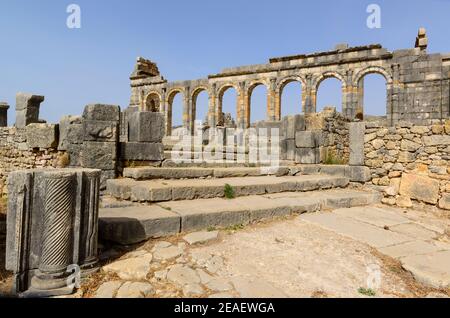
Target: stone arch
249,92
372,70
358,88
152,102
169,116
219,111
195,93
282,83
319,79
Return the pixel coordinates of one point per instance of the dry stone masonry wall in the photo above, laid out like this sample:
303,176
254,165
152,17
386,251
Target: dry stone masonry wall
411,161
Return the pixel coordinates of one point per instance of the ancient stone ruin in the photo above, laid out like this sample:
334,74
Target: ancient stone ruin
153,180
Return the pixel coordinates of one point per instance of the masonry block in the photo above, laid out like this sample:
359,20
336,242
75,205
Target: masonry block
292,124
4,114
146,127
102,112
42,135
307,139
27,109
100,130
307,155
140,151
70,131
99,155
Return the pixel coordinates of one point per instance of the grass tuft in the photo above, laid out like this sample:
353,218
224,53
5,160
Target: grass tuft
229,192
367,292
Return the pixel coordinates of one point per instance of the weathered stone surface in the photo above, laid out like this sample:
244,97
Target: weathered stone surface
102,112
431,269
132,225
436,140
146,127
292,124
201,237
191,290
132,268
358,173
307,155
42,136
409,249
421,188
306,139
99,155
256,288
140,151
97,130
167,253
27,109
70,132
4,114
219,285
356,142
183,275
108,289
444,202
135,290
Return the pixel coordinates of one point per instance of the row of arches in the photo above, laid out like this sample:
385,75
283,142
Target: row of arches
291,95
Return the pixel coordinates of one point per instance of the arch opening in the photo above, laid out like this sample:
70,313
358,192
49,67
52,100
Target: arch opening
200,104
228,107
175,113
329,94
291,98
372,97
153,103
257,104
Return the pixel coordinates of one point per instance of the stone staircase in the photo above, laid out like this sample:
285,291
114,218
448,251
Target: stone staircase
156,202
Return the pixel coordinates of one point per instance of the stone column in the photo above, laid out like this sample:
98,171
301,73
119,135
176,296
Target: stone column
212,105
356,143
277,111
57,232
27,109
4,114
271,96
243,107
88,238
310,95
187,109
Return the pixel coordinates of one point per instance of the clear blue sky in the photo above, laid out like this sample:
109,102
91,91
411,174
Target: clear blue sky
188,40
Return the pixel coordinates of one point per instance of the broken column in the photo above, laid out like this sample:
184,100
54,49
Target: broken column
51,229
4,114
145,133
27,109
100,139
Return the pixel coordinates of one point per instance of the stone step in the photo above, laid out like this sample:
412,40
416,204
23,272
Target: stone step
148,173
175,190
134,224
169,163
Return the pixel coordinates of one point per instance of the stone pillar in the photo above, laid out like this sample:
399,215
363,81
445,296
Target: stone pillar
52,227
277,111
187,108
57,232
27,109
271,96
243,107
212,105
101,139
356,143
310,96
4,114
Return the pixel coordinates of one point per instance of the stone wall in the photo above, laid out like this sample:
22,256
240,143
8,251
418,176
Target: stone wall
411,161
16,155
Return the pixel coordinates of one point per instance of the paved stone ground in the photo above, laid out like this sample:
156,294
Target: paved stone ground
314,255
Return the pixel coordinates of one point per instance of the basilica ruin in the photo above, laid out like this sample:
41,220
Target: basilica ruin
113,174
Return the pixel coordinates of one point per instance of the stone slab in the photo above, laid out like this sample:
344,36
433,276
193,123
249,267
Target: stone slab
415,230
432,269
146,127
141,151
102,112
363,232
99,155
42,136
356,142
380,217
100,130
136,224
409,249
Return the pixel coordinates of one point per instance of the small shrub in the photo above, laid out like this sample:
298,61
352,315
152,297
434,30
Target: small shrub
229,192
367,292
211,229
235,227
63,160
